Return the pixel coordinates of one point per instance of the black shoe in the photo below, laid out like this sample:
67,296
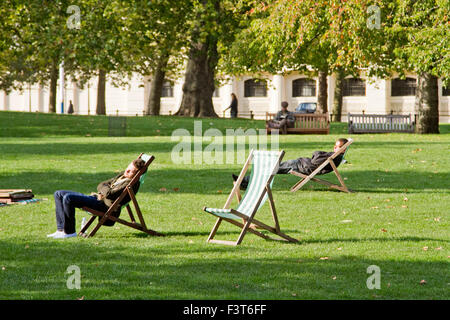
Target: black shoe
244,183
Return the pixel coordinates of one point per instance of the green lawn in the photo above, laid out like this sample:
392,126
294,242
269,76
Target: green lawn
397,219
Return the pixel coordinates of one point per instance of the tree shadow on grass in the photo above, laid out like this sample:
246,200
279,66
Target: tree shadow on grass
219,181
150,271
378,181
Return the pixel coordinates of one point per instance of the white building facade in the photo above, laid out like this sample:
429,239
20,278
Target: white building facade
255,98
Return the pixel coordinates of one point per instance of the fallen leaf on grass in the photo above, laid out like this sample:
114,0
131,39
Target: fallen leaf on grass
374,207
423,282
405,199
176,189
438,248
333,277
346,221
324,258
82,298
404,206
384,230
163,189
425,248
437,219
416,150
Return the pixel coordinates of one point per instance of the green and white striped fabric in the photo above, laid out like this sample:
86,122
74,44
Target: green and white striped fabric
144,157
263,165
345,152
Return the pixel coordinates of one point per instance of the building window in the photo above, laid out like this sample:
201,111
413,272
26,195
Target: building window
304,87
406,87
255,88
167,90
446,91
353,87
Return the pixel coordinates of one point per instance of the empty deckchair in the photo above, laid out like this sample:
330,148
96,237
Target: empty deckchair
104,216
311,177
264,167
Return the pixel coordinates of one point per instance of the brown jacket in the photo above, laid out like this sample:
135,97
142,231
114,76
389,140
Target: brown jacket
111,189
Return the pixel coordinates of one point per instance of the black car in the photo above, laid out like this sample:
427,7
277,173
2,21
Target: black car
306,107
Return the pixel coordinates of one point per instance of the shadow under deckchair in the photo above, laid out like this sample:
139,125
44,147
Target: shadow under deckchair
264,166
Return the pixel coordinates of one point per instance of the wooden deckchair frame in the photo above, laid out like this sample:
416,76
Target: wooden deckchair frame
249,220
311,177
107,215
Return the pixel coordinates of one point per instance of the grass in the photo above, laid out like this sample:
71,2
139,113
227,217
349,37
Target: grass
397,219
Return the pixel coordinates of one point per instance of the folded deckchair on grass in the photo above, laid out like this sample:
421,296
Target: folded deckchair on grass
311,177
264,167
104,216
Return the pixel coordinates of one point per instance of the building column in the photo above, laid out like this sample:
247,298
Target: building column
76,97
377,96
277,94
331,81
6,101
225,92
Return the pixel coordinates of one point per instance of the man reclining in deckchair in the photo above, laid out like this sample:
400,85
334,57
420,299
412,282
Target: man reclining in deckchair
107,191
306,165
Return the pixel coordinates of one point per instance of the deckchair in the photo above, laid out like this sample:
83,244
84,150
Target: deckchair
311,177
264,167
104,216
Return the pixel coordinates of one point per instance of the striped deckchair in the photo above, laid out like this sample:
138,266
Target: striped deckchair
103,216
264,167
305,178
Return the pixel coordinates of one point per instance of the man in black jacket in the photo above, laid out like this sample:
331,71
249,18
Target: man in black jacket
107,192
306,165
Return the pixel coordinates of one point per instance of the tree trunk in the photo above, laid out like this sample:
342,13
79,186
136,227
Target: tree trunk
198,87
322,97
338,94
101,90
53,86
427,103
154,98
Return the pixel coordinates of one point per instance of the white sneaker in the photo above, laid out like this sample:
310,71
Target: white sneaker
55,234
64,235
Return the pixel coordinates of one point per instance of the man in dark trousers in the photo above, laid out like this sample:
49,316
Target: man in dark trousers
107,192
306,165
283,119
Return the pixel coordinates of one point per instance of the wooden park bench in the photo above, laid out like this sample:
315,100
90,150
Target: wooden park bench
304,123
379,123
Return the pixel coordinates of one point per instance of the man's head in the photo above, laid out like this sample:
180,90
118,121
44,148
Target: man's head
284,106
133,167
339,143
